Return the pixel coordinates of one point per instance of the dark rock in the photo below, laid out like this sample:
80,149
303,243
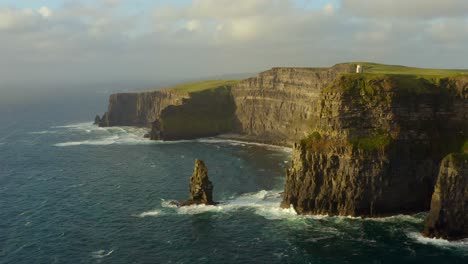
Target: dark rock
201,188
448,217
375,154
156,131
97,120
104,122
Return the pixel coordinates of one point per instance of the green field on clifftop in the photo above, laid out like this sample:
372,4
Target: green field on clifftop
376,68
187,88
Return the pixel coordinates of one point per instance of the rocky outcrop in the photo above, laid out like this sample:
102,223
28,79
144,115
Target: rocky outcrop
203,114
97,120
448,217
138,109
201,188
376,141
173,115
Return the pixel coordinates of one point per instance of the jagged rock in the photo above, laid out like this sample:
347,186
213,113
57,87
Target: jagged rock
156,133
448,217
379,151
104,122
201,188
97,120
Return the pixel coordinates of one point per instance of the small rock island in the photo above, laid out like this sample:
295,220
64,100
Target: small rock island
201,188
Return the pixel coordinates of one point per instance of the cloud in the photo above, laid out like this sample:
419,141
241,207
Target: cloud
45,12
427,9
98,41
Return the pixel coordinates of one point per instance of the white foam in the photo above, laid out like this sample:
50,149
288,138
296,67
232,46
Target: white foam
150,213
265,203
43,132
106,136
233,142
397,218
418,237
101,253
76,125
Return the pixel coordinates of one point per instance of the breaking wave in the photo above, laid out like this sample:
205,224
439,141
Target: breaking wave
233,142
149,213
264,203
101,253
105,135
418,237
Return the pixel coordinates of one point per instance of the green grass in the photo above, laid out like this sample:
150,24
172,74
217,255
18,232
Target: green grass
201,86
375,142
376,68
465,147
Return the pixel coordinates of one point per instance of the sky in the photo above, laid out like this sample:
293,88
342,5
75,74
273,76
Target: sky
112,41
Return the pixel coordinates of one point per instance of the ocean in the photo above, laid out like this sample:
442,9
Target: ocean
71,192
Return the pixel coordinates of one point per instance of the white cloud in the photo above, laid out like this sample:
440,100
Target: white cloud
45,12
407,8
193,25
88,40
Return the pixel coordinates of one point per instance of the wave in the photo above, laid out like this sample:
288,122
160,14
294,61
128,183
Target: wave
43,132
264,203
418,237
215,140
101,253
149,213
105,135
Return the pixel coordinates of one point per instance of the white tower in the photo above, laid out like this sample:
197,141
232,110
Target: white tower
358,69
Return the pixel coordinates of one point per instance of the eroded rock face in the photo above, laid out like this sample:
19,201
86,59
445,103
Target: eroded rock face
138,109
448,217
379,148
278,105
201,188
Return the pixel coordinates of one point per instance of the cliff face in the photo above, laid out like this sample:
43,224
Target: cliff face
138,109
448,217
203,114
377,145
276,106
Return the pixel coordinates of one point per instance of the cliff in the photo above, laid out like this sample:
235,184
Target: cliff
448,217
377,145
204,113
277,106
138,109
364,144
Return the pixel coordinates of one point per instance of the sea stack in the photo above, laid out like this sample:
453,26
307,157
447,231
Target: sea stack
201,188
448,217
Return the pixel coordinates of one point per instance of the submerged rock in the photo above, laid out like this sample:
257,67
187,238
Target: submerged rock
448,217
201,188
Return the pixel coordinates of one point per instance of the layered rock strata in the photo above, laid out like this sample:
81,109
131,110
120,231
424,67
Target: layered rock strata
201,188
138,109
377,145
448,217
276,106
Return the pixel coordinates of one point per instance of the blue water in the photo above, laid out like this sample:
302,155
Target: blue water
74,193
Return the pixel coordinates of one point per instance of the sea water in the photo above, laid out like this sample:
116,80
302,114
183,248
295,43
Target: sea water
72,192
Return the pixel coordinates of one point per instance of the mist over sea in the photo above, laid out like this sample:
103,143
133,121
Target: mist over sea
71,192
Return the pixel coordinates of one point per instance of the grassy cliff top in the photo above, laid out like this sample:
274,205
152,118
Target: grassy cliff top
376,68
201,86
